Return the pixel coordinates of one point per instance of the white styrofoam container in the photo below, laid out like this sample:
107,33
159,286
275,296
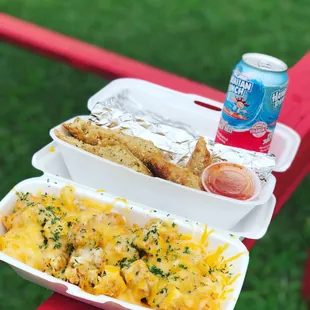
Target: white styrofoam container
254,225
178,107
174,106
96,172
138,214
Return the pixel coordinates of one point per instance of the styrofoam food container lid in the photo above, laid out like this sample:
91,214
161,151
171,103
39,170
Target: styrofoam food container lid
188,108
134,213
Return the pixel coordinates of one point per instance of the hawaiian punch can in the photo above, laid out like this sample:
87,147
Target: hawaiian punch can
253,102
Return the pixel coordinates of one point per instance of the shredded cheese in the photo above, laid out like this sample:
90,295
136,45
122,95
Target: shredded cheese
81,241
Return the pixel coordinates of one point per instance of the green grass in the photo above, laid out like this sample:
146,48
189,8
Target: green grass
194,38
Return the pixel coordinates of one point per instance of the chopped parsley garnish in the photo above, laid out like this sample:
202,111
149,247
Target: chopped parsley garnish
30,204
70,248
45,242
69,224
125,262
151,231
50,208
56,236
57,246
159,272
186,250
182,266
54,220
174,224
22,196
163,290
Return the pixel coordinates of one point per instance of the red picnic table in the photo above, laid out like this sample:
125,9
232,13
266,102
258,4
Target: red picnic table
295,112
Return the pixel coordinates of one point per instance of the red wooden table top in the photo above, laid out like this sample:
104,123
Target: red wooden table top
295,112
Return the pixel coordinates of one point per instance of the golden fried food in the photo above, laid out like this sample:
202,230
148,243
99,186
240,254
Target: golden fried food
200,158
174,173
117,153
92,134
143,149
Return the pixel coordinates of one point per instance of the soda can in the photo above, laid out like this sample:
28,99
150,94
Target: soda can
253,102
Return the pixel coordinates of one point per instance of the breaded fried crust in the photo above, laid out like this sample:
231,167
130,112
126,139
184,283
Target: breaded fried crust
171,172
92,134
144,150
200,158
116,153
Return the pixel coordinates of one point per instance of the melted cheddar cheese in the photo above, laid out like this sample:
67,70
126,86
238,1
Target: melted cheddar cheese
81,241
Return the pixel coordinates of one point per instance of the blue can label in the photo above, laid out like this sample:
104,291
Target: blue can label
277,97
252,106
239,86
243,101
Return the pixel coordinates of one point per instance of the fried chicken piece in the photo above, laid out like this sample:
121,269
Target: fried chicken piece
200,158
95,135
143,149
116,153
171,172
92,134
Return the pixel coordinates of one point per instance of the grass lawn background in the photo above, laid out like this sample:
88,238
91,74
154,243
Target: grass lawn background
198,39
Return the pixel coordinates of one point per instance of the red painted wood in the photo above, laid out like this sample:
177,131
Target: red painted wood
90,58
61,302
295,113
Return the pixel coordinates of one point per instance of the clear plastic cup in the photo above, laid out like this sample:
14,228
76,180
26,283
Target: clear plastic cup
231,180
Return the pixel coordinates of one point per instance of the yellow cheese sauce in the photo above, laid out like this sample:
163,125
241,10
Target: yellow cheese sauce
81,241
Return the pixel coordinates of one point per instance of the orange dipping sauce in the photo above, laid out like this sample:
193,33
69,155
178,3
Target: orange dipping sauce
230,180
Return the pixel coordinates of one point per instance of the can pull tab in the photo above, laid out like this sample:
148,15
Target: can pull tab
264,64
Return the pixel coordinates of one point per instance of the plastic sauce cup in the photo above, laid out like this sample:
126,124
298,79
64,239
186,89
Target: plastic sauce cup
231,180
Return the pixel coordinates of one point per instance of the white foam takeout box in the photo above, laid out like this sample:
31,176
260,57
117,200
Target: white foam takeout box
63,164
134,213
219,211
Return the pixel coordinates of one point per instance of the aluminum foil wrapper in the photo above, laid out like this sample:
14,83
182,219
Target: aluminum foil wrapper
177,141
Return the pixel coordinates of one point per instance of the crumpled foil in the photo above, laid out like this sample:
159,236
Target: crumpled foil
177,141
